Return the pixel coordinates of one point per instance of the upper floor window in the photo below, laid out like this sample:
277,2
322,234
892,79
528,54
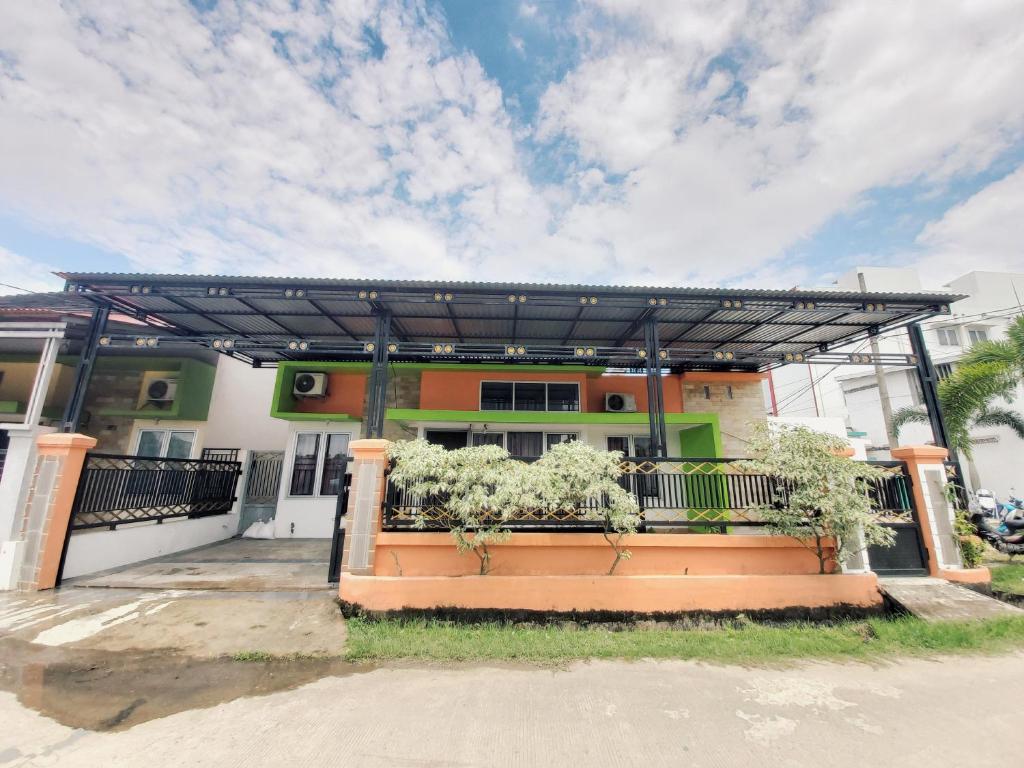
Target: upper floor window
977,334
948,337
529,396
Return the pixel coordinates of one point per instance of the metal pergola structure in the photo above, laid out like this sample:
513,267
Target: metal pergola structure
267,320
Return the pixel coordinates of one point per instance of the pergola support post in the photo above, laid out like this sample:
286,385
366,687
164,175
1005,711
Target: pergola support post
655,390
929,380
378,384
83,372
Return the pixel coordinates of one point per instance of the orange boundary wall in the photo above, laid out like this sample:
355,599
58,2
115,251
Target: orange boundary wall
588,554
637,594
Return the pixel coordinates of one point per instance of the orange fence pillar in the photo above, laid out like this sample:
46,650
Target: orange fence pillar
365,499
935,513
47,508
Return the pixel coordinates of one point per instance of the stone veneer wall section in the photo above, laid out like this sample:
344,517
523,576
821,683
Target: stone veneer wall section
735,415
111,389
44,518
403,392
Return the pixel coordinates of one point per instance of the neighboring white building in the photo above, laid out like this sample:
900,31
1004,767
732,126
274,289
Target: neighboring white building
994,299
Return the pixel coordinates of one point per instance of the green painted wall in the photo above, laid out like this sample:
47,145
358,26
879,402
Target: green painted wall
282,404
195,386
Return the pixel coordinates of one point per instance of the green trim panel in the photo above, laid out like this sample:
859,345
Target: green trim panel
546,417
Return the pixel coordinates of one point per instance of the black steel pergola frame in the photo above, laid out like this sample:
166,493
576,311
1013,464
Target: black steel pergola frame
390,341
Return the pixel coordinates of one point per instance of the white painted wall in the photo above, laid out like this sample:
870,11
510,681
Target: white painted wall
99,549
307,517
240,409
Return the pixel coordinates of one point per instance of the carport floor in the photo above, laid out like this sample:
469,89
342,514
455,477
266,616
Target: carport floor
237,565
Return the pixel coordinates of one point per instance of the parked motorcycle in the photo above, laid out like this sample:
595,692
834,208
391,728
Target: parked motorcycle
1006,535
984,502
1012,508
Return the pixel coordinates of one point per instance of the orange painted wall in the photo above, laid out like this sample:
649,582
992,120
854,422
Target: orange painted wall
588,554
460,390
633,594
345,394
636,386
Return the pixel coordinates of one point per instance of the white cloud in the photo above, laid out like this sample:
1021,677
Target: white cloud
20,274
861,96
711,137
985,231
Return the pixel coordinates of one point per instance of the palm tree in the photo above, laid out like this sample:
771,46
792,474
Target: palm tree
968,397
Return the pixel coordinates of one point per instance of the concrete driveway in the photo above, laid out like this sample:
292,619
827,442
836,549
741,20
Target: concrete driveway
241,565
167,678
916,713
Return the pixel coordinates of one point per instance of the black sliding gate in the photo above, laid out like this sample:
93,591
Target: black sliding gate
116,489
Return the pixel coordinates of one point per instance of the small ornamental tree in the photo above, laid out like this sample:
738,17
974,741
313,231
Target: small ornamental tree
574,475
478,487
823,499
482,489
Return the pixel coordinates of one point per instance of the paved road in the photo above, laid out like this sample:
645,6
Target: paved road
928,713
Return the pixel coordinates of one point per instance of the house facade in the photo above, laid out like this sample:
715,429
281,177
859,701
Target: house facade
281,378
524,409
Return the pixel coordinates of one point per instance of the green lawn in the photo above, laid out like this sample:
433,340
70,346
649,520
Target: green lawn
736,643
1008,578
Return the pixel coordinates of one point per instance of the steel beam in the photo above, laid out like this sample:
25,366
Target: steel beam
929,385
655,390
378,383
83,371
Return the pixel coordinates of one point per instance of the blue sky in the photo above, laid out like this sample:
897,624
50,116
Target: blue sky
737,142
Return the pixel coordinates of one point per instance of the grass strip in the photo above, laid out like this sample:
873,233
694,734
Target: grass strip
738,643
1008,577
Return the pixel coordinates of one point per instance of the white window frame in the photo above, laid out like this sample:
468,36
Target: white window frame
977,330
946,333
321,456
166,439
547,403
630,438
544,435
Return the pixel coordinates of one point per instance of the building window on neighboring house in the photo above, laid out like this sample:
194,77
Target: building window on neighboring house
975,335
165,443
948,337
529,396
942,370
319,463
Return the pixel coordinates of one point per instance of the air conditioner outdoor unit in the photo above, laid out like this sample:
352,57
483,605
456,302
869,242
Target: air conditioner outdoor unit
619,402
310,385
161,390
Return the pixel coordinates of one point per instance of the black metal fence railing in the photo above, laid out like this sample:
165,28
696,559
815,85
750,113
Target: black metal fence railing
689,494
115,489
220,454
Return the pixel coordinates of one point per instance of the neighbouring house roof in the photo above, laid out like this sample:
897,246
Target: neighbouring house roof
700,328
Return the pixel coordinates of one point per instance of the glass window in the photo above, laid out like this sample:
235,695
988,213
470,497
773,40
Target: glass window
563,397
489,438
448,439
496,396
948,337
307,446
179,445
977,334
530,397
555,438
335,463
525,444
151,442
617,443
